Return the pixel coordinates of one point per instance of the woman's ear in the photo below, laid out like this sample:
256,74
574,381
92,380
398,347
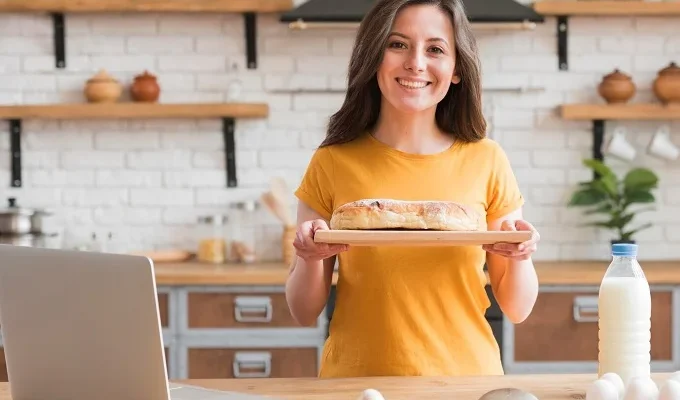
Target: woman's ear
455,79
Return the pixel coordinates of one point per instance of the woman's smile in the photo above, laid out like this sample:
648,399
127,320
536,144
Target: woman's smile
412,84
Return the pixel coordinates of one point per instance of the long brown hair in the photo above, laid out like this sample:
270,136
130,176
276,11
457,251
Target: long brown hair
460,111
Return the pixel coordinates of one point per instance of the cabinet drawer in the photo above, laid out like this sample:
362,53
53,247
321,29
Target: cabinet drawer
223,363
563,327
238,310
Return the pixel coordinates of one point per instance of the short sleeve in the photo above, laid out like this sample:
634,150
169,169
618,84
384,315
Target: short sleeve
504,195
316,187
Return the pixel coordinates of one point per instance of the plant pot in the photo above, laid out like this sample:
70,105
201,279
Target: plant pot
102,88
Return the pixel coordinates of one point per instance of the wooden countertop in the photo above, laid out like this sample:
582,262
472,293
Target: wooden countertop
276,273
544,387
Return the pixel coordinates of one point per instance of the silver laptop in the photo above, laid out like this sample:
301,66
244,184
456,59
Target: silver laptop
83,325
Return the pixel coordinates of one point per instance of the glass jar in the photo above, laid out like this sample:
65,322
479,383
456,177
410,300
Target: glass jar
243,231
212,245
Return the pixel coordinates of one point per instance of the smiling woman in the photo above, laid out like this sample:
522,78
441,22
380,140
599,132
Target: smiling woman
411,128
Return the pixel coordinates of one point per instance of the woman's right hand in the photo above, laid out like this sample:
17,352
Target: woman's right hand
309,250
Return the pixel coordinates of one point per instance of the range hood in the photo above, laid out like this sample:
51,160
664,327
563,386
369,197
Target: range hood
492,14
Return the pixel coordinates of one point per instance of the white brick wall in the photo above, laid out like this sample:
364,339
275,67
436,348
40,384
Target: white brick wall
147,181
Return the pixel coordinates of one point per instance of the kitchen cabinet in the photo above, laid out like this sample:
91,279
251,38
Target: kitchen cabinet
561,334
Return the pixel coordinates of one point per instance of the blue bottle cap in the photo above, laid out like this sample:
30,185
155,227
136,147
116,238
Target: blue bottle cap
624,249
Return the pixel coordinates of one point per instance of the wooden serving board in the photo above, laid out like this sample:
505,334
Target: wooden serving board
418,238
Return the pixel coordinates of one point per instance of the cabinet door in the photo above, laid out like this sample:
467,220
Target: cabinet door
226,363
238,310
563,327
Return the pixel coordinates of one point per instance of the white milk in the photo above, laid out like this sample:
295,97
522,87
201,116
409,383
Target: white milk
624,326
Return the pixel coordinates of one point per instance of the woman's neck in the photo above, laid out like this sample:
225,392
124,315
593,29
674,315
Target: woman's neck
415,133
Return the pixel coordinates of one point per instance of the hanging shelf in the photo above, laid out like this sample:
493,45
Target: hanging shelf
599,113
57,8
228,112
565,9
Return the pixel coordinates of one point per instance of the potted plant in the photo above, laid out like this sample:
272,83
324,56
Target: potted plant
613,197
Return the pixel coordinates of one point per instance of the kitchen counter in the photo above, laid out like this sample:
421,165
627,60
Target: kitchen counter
276,273
544,387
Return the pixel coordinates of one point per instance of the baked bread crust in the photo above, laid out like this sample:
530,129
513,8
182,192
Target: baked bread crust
402,214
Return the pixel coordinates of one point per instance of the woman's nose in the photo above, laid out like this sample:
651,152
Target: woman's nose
415,61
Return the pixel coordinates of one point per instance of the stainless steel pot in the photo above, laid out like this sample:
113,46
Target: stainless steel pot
15,220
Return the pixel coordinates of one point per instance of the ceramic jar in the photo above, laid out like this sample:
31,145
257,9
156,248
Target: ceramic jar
145,88
102,88
667,84
616,87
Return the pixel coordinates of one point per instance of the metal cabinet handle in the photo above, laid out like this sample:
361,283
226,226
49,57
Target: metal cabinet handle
259,361
253,309
585,309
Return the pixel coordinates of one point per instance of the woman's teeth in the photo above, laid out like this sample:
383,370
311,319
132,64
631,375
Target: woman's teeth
412,84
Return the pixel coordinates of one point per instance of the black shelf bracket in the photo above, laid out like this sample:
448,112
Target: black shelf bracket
228,128
59,39
251,39
562,33
598,139
15,151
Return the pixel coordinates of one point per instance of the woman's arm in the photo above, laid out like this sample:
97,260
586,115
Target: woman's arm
511,270
309,282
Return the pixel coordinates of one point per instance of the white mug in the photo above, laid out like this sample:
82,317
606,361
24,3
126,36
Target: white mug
662,146
619,147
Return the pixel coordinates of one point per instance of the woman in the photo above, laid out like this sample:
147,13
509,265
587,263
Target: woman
411,128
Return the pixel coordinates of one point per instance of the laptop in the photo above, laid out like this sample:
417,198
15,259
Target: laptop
82,325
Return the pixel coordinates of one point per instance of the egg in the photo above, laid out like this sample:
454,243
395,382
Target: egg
602,389
617,381
641,389
670,390
371,394
508,394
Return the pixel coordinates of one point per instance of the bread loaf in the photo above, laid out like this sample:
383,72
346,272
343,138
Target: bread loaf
401,214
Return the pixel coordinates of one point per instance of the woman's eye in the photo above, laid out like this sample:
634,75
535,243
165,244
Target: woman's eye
438,49
397,45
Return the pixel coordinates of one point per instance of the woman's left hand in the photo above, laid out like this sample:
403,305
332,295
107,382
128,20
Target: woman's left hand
516,251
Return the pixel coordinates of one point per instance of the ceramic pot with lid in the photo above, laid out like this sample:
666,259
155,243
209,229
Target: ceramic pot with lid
102,88
145,88
15,220
616,87
667,84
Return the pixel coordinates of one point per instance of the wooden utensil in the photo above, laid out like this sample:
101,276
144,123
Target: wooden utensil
419,238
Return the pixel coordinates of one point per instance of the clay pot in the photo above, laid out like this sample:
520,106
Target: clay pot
616,87
667,84
102,88
145,88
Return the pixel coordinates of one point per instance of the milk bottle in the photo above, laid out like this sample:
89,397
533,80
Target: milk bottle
624,310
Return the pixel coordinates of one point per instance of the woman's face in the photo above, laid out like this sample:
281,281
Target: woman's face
419,61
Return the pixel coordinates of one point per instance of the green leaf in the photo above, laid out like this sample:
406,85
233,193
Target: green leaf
639,196
599,167
640,179
602,209
608,185
627,235
586,197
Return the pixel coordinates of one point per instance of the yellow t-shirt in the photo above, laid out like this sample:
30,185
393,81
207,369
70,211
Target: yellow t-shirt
411,310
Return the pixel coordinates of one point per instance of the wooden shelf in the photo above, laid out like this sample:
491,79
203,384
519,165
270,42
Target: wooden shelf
620,111
608,8
565,9
58,7
74,6
135,110
228,112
